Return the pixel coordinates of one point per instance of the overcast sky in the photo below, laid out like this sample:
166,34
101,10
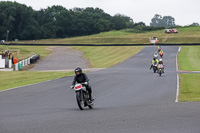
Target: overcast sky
185,12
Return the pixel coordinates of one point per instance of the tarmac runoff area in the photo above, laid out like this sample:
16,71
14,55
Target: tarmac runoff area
63,59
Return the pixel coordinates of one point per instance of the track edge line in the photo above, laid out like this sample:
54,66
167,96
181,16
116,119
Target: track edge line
177,89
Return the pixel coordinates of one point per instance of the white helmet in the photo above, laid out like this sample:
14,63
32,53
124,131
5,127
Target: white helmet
160,59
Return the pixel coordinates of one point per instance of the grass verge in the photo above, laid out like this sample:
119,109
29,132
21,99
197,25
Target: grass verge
103,57
21,78
189,58
185,35
189,88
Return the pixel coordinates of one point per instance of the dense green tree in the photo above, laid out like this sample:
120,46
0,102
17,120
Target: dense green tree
168,21
16,18
194,24
24,23
156,20
159,21
121,22
139,24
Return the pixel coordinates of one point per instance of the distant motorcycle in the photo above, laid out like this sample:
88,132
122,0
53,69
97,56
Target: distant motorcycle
159,49
160,68
161,55
156,56
82,96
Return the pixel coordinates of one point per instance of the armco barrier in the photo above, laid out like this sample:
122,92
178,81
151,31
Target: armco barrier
16,67
10,63
29,60
26,62
20,65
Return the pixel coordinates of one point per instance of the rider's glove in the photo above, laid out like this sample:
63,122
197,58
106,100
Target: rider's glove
72,87
86,83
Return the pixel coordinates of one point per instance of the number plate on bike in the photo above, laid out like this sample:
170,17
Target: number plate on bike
78,87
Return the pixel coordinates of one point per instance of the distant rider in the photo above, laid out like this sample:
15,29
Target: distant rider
161,63
82,78
161,53
159,48
156,54
152,62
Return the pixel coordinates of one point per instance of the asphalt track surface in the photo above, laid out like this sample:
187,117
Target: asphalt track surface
129,99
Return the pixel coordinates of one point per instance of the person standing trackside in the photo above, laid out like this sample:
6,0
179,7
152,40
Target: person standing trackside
15,60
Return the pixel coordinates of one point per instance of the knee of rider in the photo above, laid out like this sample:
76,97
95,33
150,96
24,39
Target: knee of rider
89,89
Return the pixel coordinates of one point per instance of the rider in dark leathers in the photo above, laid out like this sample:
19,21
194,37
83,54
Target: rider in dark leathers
82,78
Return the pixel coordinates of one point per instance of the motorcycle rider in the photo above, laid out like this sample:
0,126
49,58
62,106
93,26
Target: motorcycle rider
161,53
152,62
82,78
156,54
161,63
159,48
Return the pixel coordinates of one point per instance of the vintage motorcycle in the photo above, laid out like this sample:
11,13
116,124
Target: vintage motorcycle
82,96
160,68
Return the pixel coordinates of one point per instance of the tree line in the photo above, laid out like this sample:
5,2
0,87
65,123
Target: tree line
18,21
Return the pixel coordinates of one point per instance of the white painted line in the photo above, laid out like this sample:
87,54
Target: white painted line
177,91
179,49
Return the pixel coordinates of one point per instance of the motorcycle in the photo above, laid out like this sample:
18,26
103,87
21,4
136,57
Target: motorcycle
156,56
161,55
82,96
159,49
160,68
155,68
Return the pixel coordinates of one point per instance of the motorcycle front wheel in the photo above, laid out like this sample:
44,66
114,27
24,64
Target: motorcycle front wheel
80,100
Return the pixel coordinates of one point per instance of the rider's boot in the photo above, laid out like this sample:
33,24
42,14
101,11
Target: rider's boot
151,67
90,97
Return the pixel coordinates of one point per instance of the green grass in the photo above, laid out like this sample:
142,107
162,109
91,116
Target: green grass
189,88
189,58
21,78
185,35
107,56
27,51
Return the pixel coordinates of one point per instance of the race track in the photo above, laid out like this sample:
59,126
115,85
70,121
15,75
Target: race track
130,98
